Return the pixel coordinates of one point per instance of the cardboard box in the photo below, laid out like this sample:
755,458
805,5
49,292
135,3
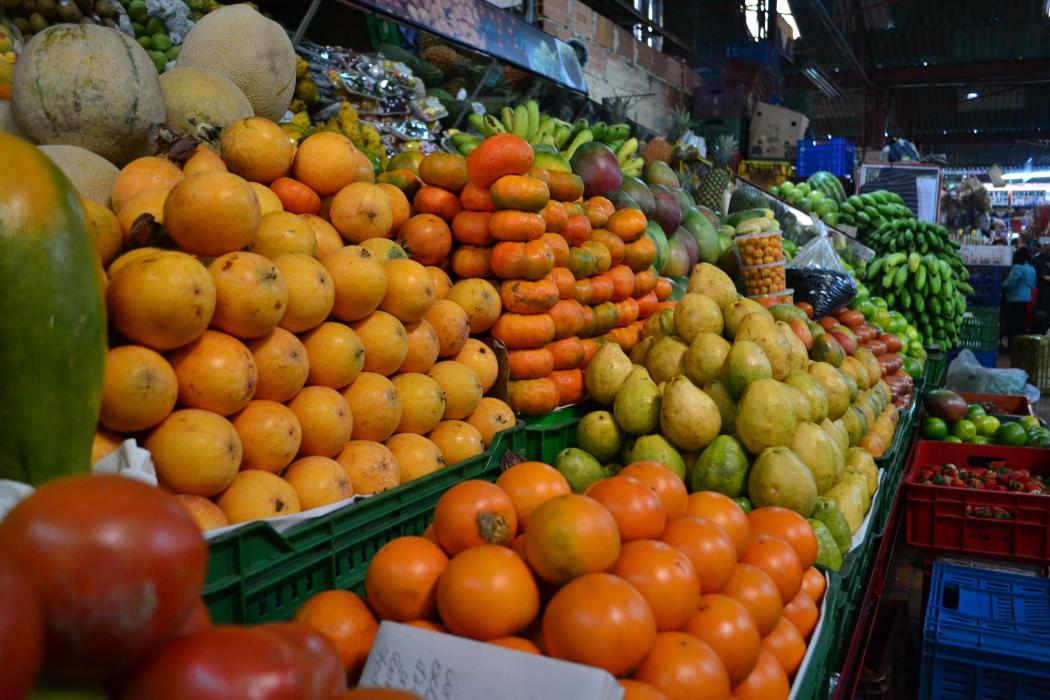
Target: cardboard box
775,131
435,665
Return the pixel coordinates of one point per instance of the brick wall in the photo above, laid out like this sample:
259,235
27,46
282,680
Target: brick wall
618,64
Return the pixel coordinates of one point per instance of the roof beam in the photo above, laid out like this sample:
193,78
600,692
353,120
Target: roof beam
984,137
1025,71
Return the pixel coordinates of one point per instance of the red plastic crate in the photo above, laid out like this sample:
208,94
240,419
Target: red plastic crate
1002,403
937,518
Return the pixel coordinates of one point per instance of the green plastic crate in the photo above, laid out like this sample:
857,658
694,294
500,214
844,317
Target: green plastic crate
980,329
815,682
546,436
256,574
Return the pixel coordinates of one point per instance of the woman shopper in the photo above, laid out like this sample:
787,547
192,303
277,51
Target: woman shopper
1018,287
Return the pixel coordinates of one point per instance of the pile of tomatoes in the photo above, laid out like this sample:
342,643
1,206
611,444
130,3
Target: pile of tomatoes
678,595
996,477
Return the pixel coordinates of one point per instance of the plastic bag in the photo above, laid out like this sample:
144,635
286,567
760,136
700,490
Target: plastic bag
817,275
965,373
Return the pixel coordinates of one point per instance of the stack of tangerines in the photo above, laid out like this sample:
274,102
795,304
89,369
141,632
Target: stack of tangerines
680,596
284,353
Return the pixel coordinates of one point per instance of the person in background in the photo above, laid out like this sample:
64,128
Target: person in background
1041,316
1018,287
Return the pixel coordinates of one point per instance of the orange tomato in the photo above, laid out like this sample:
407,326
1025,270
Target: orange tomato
530,484
637,509
569,536
707,546
665,577
725,625
665,482
599,620
802,613
788,526
786,645
776,557
517,644
401,581
487,592
684,668
814,583
345,619
474,513
720,509
754,589
766,682
637,690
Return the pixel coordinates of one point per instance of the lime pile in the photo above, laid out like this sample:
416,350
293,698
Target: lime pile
980,428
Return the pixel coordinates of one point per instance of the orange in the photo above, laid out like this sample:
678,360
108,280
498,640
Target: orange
598,211
328,239
195,452
755,590
777,558
251,296
480,300
282,365
451,324
461,386
788,526
423,347
385,341
335,353
665,577
511,225
311,291
422,402
490,417
141,175
384,250
325,419
554,215
442,282
402,579
684,668
476,198
270,435
256,149
577,229
457,440
802,613
212,213
472,262
345,619
139,389
105,443
447,170
295,196
566,187
216,372
480,358
400,209
360,282
426,238
371,466
786,645
722,511
318,481
725,625
416,455
640,254
437,201
255,494
496,156
376,405
326,162
281,232
205,513
617,249
707,546
361,211
519,192
628,224
203,160
402,178
472,228
410,291
766,682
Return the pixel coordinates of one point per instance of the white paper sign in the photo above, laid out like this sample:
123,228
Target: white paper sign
439,666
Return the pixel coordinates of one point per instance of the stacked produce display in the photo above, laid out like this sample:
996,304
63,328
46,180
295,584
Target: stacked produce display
291,307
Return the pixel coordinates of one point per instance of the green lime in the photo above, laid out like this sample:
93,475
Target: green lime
964,430
981,440
986,425
1011,434
1040,441
952,438
934,428
1030,422
880,303
913,367
975,411
745,505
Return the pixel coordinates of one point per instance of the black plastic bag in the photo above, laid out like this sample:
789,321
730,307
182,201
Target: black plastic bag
819,278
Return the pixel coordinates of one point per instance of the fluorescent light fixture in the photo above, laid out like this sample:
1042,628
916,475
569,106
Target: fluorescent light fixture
975,131
1027,176
829,137
821,82
925,63
971,95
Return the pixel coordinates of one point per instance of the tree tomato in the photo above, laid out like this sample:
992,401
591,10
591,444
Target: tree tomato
21,634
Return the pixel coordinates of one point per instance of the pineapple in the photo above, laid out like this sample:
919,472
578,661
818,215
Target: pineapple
714,182
444,57
680,122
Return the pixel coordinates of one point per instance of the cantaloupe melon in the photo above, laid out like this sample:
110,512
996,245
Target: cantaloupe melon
196,98
90,86
7,120
91,174
252,51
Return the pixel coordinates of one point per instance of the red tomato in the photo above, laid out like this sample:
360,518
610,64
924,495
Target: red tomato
117,564
318,659
21,634
198,620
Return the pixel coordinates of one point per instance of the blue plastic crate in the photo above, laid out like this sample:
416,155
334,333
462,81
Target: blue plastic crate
987,358
986,635
835,156
987,283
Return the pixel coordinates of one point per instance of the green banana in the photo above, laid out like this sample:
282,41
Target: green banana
578,126
561,135
633,166
581,138
618,131
493,125
477,122
598,130
895,259
545,129
913,261
532,108
627,150
521,122
507,115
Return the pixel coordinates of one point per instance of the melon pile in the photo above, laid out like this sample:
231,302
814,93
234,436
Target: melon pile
286,354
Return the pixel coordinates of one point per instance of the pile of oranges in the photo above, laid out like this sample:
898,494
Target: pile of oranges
283,352
679,596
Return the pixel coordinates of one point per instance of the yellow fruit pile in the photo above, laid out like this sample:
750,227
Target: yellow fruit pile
285,354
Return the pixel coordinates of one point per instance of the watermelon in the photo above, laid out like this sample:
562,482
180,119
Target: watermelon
53,335
828,184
